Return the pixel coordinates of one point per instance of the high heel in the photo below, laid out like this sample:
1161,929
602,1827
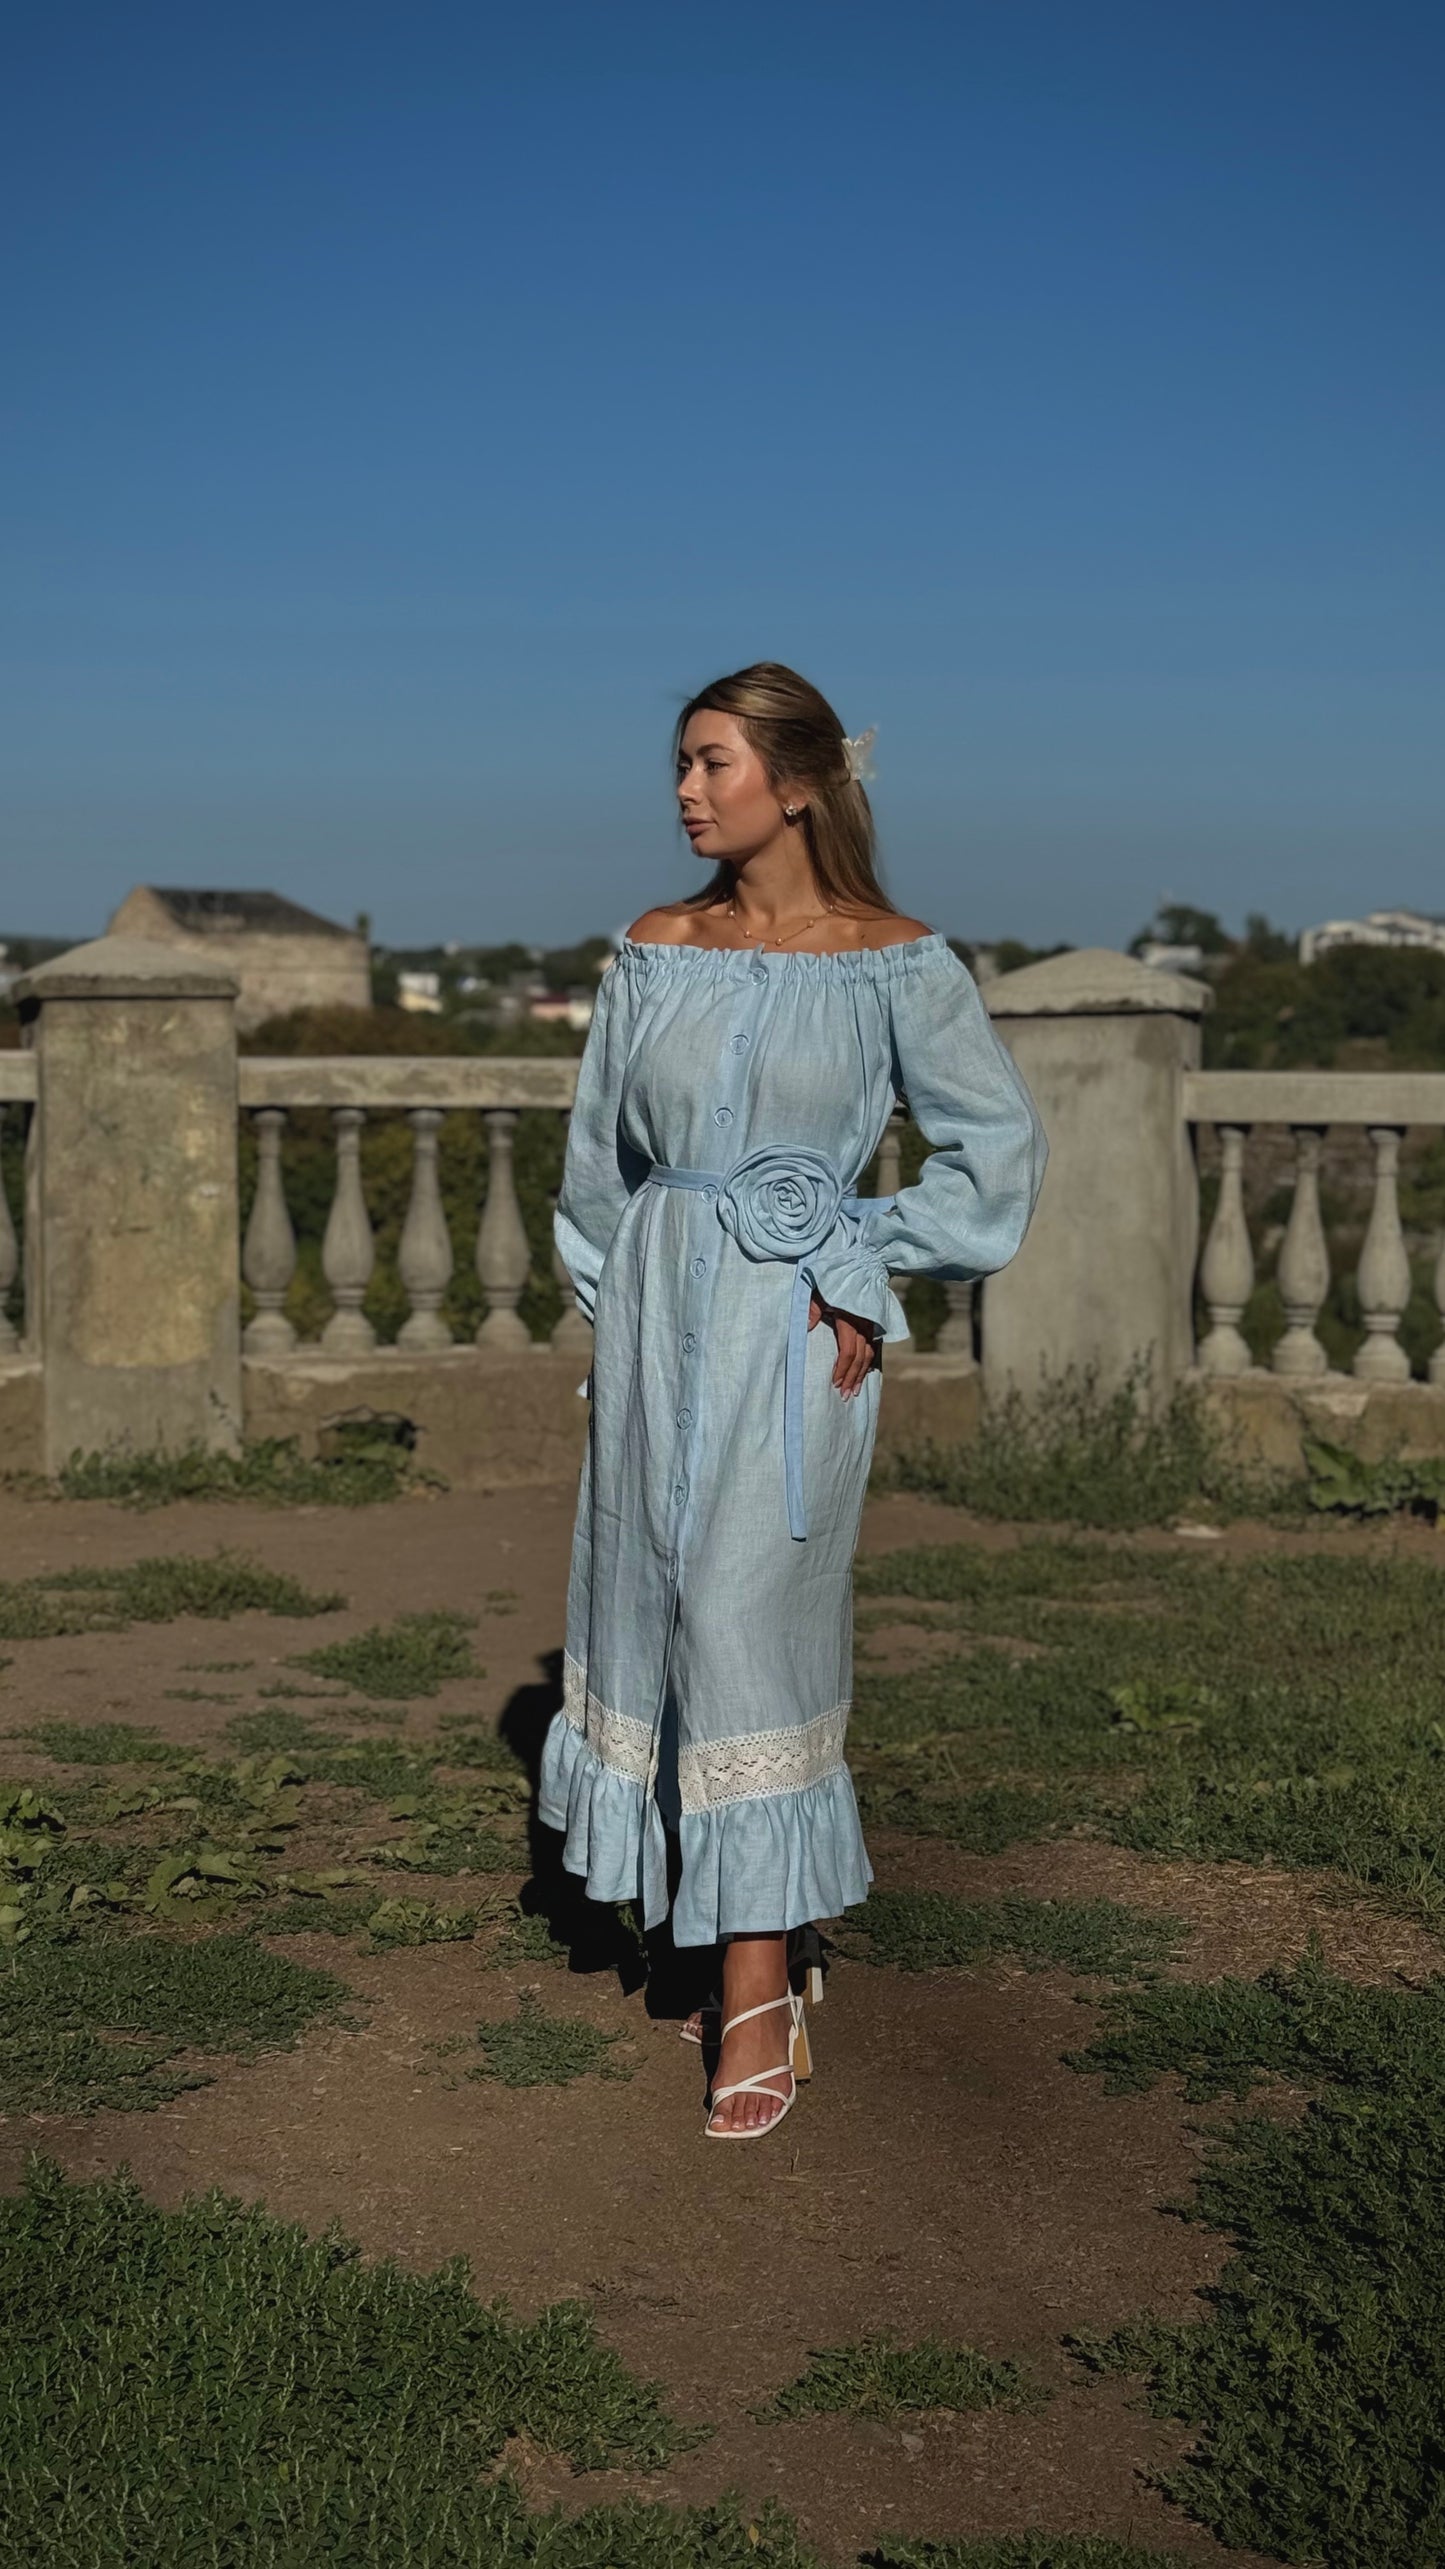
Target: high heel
710,2007
797,2066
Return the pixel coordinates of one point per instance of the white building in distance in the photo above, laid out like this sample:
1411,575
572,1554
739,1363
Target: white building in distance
1379,928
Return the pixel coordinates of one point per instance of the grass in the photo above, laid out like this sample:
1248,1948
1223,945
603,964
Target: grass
1280,1710
1316,2383
1080,1455
932,1931
877,2378
86,2024
415,1655
212,2386
274,1727
363,1472
160,1590
102,1744
533,2049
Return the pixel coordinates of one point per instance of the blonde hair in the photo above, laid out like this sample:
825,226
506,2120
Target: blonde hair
800,740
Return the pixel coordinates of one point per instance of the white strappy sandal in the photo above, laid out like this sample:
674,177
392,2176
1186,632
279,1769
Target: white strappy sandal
797,2066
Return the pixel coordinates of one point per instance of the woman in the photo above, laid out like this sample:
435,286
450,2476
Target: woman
738,1075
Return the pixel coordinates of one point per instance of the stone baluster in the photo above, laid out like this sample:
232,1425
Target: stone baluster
1384,1277
424,1256
1437,1361
890,1167
1226,1270
504,1258
1304,1263
9,1263
572,1334
268,1255
955,1338
347,1251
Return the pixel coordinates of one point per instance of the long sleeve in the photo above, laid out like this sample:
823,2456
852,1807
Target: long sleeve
599,1172
967,1214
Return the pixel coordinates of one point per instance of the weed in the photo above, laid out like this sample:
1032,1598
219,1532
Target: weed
195,1695
422,1922
1281,1710
211,2384
161,1590
1317,2381
931,1931
272,1471
528,1940
533,2049
1343,1483
102,1744
273,1729
89,2024
1081,1455
877,2378
416,1655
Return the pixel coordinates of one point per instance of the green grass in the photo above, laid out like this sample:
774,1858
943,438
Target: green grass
274,1727
161,1590
86,2024
415,1655
1080,1455
102,1744
273,1472
879,2379
533,2049
1316,2384
932,1931
1283,1710
210,2386
528,1940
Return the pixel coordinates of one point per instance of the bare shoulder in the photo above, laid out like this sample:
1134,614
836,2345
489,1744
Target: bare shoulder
667,925
877,928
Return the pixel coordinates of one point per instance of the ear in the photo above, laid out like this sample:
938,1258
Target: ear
793,798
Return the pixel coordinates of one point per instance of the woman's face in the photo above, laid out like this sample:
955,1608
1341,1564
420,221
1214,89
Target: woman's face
728,808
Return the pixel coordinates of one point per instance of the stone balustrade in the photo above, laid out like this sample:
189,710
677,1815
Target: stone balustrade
126,1326
1310,1104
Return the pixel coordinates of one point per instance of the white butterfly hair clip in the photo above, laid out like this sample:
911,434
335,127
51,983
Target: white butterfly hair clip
858,755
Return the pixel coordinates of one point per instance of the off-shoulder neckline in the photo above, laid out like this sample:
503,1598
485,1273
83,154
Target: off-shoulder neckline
903,956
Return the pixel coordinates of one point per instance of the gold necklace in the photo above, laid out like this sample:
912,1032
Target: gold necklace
792,932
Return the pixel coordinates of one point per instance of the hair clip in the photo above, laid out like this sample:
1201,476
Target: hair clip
858,755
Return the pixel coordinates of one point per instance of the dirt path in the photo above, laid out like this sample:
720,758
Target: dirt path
945,2174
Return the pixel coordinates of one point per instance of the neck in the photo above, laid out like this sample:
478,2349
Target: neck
775,888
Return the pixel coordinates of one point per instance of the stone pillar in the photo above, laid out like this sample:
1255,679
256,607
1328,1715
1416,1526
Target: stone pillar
1105,1277
134,1250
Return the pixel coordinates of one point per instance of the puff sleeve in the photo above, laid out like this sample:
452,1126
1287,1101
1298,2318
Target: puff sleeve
600,1172
967,1213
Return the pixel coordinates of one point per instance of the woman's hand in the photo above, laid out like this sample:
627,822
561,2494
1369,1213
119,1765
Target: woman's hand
857,1354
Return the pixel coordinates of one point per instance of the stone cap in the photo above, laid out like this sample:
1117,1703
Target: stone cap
1094,981
126,968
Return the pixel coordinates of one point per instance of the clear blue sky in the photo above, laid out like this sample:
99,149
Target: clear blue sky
406,406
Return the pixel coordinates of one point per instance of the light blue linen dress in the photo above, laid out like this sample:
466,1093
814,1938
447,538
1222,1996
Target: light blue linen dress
726,1105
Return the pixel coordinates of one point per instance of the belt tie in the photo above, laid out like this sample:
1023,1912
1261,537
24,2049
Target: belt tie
780,1205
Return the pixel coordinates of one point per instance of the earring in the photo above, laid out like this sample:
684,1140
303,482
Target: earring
790,811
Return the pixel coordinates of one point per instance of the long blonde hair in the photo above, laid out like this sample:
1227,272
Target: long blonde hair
800,740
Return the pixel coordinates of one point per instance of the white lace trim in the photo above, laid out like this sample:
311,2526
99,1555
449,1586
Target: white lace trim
621,1743
715,1771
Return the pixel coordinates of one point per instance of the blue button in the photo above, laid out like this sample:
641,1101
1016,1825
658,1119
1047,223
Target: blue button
737,1043
722,1114
698,1267
684,1418
709,1195
688,1343
679,1491
757,973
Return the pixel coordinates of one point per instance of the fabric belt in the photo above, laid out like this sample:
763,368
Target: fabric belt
779,1205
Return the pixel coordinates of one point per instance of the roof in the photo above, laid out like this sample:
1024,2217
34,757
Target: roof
260,913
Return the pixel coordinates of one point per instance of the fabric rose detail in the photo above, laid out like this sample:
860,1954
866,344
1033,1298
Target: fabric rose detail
781,1203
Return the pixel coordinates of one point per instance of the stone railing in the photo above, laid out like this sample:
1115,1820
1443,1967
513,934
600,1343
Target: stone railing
1310,1104
133,1332
131,1087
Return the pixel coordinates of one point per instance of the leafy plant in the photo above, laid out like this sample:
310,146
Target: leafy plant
159,1590
877,2378
364,1469
932,1931
414,1656
533,2049
1343,1483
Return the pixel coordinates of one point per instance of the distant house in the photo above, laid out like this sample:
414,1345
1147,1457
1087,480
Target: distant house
1165,958
558,1008
1417,928
420,993
284,957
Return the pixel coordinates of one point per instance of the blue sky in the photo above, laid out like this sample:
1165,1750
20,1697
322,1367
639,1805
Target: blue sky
406,407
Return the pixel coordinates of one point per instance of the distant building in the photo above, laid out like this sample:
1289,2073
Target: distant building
562,1008
420,993
1162,958
284,957
1417,928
